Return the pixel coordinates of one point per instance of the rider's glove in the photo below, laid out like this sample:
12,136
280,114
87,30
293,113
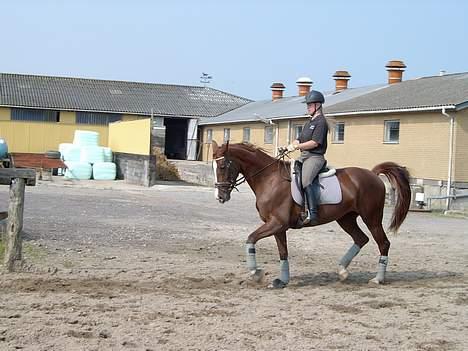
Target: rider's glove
291,147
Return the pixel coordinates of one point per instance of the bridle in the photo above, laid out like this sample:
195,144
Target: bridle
234,183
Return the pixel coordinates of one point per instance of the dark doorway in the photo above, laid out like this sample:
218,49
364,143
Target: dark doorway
176,138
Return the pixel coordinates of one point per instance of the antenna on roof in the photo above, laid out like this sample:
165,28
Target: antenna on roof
205,79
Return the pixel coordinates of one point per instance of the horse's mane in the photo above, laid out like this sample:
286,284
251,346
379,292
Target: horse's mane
255,149
250,147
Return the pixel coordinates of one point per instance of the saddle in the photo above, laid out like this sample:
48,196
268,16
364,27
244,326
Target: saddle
330,189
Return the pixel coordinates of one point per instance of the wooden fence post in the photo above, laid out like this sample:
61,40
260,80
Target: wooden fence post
15,224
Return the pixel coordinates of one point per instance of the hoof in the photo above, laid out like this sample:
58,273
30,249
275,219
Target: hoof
343,274
257,276
277,284
375,281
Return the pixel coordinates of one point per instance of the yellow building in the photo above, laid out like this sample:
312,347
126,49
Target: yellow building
37,113
420,123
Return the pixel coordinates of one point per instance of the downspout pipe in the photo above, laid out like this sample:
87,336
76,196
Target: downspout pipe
450,162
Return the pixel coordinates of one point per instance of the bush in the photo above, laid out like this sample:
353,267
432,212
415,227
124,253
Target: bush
164,169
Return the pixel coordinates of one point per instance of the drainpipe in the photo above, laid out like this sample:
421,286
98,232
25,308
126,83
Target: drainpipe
450,162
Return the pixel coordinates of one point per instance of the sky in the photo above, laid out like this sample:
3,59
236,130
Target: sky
245,45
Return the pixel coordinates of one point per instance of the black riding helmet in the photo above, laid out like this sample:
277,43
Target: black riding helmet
314,96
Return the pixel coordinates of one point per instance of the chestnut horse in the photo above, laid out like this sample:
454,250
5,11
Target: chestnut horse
363,194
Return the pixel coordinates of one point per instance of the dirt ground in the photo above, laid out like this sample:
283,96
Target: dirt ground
116,267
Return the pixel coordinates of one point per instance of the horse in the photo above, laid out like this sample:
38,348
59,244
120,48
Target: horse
363,194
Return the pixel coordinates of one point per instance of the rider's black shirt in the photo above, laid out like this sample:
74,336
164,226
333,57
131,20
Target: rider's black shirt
316,130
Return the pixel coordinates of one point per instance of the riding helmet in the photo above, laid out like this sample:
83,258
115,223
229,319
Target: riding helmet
314,96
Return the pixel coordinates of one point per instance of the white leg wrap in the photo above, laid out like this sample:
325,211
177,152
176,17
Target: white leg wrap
284,271
251,257
383,262
349,255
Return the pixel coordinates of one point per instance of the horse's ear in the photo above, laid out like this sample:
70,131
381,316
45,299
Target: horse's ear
215,146
224,148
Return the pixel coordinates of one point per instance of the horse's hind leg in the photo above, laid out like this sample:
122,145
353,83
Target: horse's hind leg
375,226
350,226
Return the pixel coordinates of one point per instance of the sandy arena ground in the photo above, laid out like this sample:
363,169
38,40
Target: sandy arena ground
116,267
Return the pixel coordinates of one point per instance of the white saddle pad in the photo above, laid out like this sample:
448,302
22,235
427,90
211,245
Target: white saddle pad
330,189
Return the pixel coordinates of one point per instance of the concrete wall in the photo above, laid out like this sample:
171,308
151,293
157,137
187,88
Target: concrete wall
136,169
131,137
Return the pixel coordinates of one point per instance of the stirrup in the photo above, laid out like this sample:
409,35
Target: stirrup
310,218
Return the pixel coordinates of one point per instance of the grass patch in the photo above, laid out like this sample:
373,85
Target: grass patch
2,250
30,252
33,253
68,264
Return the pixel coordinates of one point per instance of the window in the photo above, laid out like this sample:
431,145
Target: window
297,131
158,122
268,136
246,135
25,114
392,131
209,135
338,132
97,118
227,134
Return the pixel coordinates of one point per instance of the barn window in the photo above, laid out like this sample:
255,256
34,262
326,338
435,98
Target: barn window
268,136
25,114
227,134
209,135
246,135
338,132
97,118
392,131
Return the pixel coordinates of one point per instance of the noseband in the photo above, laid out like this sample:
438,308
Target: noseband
232,183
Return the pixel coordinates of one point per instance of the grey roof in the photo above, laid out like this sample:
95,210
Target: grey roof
426,92
114,96
286,107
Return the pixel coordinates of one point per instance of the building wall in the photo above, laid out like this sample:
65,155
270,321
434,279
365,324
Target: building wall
461,146
38,137
131,137
257,134
5,114
422,147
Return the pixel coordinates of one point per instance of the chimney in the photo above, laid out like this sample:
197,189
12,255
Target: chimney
341,80
395,70
277,91
304,84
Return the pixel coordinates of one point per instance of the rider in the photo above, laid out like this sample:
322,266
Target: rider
313,144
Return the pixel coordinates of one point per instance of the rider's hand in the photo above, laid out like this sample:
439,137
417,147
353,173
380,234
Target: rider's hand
282,149
291,147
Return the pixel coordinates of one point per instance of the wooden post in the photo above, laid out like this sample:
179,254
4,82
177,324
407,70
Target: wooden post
15,224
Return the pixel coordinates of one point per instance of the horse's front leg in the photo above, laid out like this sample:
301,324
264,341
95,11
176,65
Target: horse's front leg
282,244
271,227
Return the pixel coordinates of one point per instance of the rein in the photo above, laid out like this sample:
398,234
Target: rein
233,184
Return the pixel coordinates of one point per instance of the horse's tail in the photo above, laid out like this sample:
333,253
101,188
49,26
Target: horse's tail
399,178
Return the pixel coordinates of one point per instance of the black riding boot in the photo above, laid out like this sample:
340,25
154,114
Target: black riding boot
312,194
